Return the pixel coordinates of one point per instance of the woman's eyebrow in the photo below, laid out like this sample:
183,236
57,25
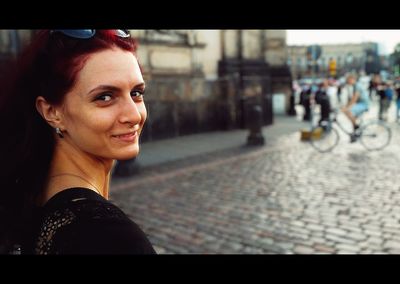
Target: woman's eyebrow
141,86
104,87
114,88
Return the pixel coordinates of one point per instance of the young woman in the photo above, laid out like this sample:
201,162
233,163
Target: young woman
71,107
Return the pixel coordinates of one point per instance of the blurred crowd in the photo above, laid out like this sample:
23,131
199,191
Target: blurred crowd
332,94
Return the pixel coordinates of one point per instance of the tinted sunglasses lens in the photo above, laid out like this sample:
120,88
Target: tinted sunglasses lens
83,34
122,33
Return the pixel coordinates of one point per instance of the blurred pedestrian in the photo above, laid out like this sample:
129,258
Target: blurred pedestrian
322,98
389,94
72,107
397,90
358,103
385,97
332,92
305,101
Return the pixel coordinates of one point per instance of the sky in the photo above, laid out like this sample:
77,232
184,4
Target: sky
387,39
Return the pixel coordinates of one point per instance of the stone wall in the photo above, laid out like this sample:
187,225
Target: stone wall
185,106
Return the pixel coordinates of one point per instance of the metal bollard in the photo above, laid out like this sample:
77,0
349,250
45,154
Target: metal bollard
292,110
255,123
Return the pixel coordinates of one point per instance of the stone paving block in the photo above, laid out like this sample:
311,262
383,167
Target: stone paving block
252,250
285,246
392,230
348,248
391,245
214,245
315,227
374,233
317,239
300,249
356,236
322,248
336,231
345,252
371,227
338,239
352,227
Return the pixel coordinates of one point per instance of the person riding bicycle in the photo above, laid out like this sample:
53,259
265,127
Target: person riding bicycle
357,104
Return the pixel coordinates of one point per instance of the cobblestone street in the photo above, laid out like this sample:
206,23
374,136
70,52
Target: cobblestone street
281,198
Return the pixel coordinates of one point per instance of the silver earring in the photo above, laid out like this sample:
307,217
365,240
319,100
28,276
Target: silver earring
58,131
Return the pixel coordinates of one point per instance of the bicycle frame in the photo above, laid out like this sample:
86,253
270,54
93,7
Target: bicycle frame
334,120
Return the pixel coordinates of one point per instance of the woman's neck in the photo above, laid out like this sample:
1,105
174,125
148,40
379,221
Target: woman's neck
71,168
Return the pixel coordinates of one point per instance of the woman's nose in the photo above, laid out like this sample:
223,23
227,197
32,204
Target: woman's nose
130,112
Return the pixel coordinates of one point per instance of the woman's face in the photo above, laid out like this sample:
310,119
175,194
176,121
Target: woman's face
103,115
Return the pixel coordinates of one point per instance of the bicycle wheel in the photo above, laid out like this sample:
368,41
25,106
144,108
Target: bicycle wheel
375,136
324,139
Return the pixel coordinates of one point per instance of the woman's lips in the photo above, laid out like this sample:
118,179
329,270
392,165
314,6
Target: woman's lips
129,137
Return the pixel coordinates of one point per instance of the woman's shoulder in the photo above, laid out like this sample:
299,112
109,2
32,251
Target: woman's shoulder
83,203
79,221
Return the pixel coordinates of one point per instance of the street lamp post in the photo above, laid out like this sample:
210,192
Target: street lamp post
252,111
242,102
292,110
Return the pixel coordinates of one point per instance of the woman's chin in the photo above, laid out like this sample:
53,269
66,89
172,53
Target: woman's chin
128,154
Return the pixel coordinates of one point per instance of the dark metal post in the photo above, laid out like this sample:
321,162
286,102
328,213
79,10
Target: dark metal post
240,57
255,123
292,110
242,98
292,103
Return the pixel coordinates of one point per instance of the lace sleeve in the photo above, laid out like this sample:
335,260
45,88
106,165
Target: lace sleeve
49,229
87,226
100,236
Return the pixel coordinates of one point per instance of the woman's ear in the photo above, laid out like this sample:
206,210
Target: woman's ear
49,112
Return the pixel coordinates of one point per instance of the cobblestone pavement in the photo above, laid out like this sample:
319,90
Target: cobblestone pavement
281,198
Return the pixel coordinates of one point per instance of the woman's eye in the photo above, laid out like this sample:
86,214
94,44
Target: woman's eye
137,93
104,97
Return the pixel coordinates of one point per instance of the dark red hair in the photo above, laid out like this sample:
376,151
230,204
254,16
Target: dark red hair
47,67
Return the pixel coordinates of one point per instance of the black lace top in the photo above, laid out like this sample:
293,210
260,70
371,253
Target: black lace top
80,221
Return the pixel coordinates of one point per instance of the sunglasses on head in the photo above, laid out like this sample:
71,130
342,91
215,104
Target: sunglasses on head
86,34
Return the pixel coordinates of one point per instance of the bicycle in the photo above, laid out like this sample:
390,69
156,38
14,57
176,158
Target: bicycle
374,135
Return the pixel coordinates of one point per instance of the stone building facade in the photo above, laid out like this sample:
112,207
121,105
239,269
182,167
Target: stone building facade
360,57
11,43
205,80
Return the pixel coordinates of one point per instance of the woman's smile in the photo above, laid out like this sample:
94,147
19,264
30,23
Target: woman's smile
127,137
